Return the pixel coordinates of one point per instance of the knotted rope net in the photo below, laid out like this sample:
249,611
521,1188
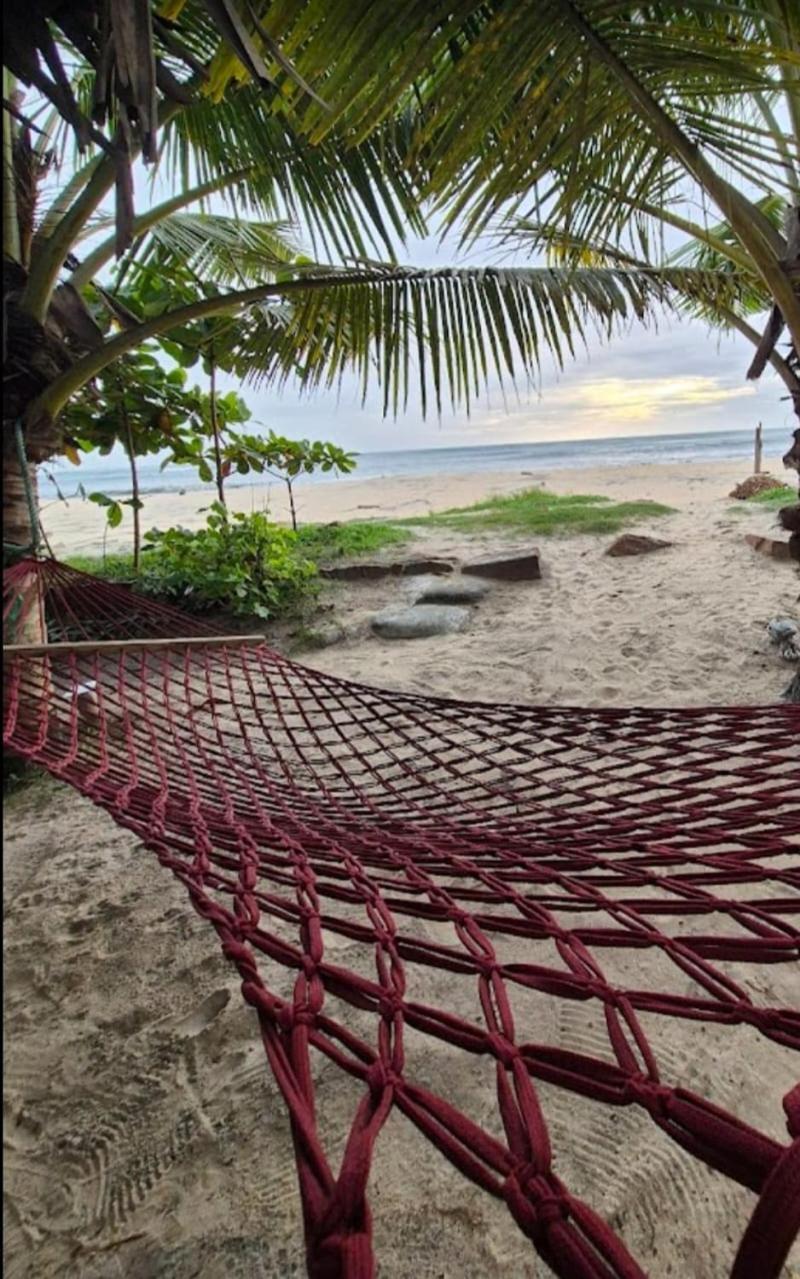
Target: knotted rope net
298,809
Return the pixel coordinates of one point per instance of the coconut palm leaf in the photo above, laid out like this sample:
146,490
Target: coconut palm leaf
445,332
218,249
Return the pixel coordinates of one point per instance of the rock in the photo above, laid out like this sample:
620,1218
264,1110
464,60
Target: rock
636,544
356,572
510,568
385,568
785,634
769,546
456,591
420,621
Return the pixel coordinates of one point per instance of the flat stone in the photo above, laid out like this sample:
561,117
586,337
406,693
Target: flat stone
420,622
365,571
356,572
636,544
508,568
457,591
771,546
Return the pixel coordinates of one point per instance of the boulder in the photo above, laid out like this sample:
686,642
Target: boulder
636,544
420,621
458,590
508,568
364,572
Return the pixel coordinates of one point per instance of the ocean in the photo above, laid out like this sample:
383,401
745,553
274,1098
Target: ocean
111,475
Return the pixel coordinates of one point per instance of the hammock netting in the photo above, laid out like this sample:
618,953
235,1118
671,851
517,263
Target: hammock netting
295,807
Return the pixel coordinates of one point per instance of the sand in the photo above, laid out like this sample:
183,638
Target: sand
144,1135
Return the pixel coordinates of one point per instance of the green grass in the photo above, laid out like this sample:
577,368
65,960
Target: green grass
117,567
773,499
781,495
537,511
324,542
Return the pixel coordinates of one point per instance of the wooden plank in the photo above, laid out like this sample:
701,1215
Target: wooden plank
11,651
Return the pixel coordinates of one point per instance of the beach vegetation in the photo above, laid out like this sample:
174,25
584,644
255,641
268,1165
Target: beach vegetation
242,564
538,511
770,499
354,134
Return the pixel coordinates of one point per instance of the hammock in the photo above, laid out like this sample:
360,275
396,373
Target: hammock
295,806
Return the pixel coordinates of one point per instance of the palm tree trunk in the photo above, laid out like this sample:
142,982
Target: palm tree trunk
137,523
11,240
26,624
20,492
215,431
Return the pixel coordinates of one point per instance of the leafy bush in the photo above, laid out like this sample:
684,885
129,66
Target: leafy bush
242,564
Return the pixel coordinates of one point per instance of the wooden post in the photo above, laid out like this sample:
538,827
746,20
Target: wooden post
758,451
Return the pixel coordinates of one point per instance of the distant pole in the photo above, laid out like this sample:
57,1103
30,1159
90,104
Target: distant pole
759,450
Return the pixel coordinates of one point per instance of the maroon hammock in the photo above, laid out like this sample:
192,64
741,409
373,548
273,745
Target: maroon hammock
291,803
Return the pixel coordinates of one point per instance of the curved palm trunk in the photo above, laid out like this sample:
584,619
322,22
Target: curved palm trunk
18,533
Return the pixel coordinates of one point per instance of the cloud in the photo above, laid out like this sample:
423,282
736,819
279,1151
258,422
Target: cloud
643,399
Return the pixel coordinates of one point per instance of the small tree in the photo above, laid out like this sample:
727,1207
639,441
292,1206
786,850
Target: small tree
203,445
287,459
135,403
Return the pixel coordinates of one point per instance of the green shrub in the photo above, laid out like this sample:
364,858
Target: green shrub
242,564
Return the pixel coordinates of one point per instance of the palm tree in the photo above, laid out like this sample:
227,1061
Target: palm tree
584,110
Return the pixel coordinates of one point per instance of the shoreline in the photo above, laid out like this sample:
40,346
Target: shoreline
79,528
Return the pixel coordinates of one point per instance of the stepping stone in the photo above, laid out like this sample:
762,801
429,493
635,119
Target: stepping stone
636,544
456,591
386,568
510,568
420,622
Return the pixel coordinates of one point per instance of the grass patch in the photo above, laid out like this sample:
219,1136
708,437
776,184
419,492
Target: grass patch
770,499
537,511
117,568
774,499
323,542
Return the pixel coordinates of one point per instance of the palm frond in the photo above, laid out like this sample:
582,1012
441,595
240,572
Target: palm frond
446,332
218,249
355,200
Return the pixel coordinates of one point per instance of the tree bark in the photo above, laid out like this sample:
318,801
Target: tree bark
291,503
137,523
26,624
17,530
215,431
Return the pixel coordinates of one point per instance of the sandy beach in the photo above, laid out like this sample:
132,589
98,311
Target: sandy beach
144,1133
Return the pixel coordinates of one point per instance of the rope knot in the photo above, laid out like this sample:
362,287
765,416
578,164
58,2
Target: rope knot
656,1097
505,1052
535,1202
390,1004
380,1077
